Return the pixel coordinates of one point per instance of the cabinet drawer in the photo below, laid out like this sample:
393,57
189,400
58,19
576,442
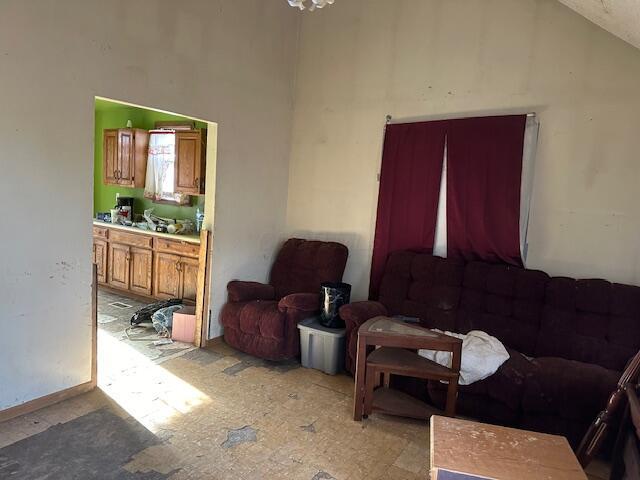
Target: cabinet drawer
142,241
177,246
100,232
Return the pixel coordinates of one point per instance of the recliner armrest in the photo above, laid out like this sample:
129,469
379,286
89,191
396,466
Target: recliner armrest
245,291
305,302
356,313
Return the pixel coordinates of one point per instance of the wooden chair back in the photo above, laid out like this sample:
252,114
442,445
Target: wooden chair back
597,433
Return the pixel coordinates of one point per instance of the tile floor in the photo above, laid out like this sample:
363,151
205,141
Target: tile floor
210,414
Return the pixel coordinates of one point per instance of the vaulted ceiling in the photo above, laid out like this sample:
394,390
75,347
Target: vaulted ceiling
619,17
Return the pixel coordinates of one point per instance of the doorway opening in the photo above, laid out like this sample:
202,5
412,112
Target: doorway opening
153,212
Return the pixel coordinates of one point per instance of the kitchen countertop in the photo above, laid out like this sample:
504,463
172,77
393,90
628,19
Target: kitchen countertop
191,238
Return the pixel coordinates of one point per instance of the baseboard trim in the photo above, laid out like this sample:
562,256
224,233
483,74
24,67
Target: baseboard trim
46,401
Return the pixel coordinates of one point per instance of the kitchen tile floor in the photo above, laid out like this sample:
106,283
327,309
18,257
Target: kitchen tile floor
114,315
213,413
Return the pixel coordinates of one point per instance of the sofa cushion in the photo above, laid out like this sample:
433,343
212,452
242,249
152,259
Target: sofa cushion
504,301
590,321
258,318
568,388
423,286
505,386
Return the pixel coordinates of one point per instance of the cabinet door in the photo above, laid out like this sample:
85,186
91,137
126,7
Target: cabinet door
166,276
118,266
140,265
140,155
126,166
188,164
110,157
189,277
100,259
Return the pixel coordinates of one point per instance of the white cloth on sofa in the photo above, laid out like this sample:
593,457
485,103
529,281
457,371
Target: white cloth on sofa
482,355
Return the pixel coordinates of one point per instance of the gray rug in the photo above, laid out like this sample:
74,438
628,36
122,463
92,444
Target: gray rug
94,446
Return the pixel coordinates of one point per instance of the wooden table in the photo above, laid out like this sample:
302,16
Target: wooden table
489,451
394,337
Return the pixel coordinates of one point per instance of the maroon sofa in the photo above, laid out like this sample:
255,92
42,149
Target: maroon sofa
568,339
262,319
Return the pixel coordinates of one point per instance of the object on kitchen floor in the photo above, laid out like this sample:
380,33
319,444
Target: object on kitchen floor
145,313
184,325
163,341
162,319
321,347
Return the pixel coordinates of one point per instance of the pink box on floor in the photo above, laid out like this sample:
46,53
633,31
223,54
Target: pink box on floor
184,325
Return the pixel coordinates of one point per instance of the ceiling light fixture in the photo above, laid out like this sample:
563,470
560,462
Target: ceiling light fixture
301,4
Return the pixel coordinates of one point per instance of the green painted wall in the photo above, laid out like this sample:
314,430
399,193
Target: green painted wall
115,115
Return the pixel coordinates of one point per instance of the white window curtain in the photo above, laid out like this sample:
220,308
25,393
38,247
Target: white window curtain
526,185
532,127
159,183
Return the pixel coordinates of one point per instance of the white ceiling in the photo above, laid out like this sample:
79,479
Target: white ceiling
619,17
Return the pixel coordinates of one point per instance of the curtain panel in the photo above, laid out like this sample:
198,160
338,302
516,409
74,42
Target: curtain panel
159,181
484,168
409,188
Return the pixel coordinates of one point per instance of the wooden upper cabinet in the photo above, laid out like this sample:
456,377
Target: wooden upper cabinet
124,158
126,161
110,157
190,162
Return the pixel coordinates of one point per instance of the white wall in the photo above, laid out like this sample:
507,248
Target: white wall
363,59
231,62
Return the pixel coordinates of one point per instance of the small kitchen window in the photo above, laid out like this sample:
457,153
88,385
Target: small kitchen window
160,179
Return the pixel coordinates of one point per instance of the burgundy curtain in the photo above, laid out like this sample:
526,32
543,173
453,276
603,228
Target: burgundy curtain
409,188
484,166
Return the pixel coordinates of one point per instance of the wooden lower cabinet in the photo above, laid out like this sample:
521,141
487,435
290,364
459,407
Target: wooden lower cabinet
161,269
166,276
100,259
140,268
189,278
118,266
175,276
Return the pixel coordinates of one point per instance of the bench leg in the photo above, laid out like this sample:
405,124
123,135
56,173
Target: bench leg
372,376
358,394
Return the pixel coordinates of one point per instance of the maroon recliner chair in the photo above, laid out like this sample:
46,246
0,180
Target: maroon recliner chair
262,319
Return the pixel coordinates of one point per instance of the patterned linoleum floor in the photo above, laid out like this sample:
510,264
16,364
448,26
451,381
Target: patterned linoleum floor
210,414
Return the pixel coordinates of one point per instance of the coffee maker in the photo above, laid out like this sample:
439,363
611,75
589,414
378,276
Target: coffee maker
124,205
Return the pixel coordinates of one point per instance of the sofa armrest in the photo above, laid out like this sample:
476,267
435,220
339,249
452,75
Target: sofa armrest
304,302
356,313
246,291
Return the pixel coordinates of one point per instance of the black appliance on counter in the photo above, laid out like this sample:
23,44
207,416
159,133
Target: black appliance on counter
124,202
125,207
